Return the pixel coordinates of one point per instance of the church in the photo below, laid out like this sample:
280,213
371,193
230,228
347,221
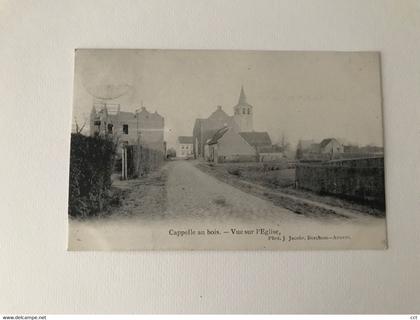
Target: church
225,138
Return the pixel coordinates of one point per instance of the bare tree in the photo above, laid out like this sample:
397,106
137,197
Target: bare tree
79,128
284,144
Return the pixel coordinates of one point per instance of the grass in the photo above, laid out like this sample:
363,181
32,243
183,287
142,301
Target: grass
244,176
273,176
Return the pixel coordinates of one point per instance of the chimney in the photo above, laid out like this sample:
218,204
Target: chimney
219,107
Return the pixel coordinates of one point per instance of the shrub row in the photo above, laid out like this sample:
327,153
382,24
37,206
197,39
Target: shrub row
91,166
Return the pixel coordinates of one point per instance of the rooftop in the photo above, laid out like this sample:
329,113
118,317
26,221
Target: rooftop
185,139
256,139
219,133
242,99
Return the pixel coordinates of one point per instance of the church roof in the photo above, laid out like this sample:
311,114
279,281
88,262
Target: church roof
215,121
242,99
218,114
256,139
242,96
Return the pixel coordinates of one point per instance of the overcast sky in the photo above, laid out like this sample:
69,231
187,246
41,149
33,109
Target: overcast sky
305,95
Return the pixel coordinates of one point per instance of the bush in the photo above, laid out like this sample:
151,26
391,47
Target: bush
235,171
91,166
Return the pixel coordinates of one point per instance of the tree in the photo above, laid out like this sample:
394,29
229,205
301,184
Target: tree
299,150
284,143
79,128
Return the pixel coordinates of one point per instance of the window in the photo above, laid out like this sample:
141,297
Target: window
110,126
125,128
97,123
249,111
182,147
243,111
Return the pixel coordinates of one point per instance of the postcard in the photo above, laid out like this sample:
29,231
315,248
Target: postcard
226,150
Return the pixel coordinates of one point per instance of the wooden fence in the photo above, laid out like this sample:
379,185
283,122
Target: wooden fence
138,160
361,180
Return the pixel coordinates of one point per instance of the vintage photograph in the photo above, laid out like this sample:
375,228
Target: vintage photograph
226,150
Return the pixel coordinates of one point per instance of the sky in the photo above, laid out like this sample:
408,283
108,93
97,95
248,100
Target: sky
301,95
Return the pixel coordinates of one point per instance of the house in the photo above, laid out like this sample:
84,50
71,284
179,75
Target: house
142,127
259,140
272,153
326,149
184,147
331,146
228,145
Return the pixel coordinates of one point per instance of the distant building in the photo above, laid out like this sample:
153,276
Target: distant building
184,147
327,149
331,146
259,140
241,121
227,145
221,137
141,127
204,129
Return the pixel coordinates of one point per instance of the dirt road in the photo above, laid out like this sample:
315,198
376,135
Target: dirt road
189,198
193,194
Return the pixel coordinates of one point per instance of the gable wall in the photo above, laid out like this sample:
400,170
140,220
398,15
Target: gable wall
233,144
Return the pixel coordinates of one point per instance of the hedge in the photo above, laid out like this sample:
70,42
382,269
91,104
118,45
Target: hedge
91,166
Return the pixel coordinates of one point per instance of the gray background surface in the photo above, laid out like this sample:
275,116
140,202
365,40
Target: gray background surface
38,275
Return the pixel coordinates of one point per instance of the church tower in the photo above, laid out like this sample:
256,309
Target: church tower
243,113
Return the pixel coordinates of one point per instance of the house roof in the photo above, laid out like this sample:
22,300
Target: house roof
124,115
185,139
256,139
145,113
325,142
218,134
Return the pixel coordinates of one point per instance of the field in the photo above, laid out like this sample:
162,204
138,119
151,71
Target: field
277,182
273,175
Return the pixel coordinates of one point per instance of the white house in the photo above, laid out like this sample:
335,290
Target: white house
185,147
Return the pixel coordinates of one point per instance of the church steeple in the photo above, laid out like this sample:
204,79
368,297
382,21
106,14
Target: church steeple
243,113
242,97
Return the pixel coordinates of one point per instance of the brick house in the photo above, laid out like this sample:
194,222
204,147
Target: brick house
142,126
